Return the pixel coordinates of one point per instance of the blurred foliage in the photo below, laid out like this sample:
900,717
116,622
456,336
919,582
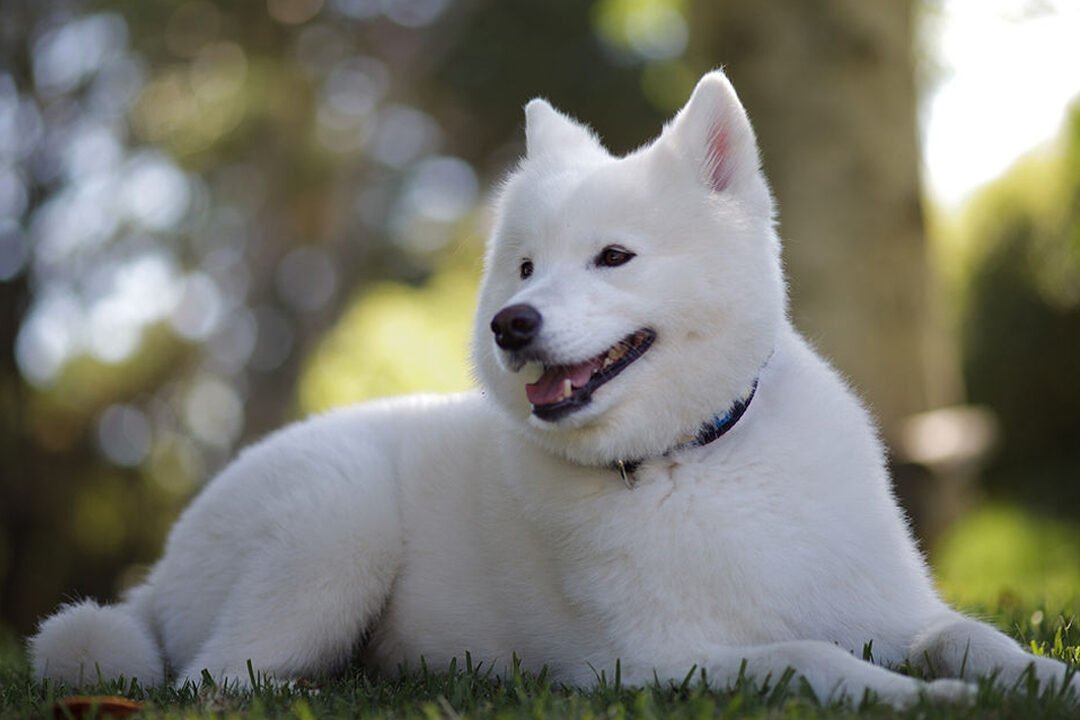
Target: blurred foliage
1003,556
396,339
1020,322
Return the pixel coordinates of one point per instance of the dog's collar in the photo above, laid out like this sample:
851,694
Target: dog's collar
707,433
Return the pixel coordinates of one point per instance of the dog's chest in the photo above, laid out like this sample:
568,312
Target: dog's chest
570,569
689,552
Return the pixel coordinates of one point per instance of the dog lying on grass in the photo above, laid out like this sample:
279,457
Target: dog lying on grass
657,470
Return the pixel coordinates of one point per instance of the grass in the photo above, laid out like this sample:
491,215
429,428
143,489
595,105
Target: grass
1009,556
472,692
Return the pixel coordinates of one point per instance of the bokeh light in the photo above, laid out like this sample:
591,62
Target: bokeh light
124,435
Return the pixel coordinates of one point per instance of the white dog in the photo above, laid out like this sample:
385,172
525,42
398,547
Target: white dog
657,470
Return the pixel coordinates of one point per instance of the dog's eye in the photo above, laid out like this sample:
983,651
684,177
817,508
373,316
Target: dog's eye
526,269
613,256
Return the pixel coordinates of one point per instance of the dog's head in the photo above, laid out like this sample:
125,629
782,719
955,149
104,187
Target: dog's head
627,300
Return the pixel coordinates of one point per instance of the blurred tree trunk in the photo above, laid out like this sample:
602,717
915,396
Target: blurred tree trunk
830,87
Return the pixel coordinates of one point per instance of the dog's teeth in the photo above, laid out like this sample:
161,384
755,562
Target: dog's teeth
567,388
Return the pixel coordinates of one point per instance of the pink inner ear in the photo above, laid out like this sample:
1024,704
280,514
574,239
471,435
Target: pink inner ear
718,164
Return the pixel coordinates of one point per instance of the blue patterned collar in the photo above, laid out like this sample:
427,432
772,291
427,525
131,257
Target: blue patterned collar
708,432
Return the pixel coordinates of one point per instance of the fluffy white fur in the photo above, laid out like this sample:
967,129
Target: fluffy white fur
435,526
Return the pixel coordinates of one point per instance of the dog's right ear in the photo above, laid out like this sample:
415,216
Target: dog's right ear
549,132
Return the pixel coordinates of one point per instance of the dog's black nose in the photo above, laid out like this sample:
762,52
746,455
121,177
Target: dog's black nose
516,326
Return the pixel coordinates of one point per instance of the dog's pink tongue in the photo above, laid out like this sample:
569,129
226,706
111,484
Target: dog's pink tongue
550,387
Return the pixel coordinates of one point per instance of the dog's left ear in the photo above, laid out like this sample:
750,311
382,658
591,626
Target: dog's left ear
549,132
713,132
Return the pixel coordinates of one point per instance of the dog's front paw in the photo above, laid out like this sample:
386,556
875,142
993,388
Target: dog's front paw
1051,674
1072,678
951,691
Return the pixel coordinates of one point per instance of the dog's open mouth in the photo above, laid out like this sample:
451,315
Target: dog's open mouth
563,389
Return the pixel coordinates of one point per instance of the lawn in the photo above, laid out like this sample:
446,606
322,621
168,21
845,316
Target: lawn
471,692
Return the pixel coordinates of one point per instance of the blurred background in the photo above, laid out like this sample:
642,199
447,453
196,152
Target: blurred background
216,217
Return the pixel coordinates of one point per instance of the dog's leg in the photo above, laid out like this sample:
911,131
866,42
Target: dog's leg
833,672
957,646
308,591
830,671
